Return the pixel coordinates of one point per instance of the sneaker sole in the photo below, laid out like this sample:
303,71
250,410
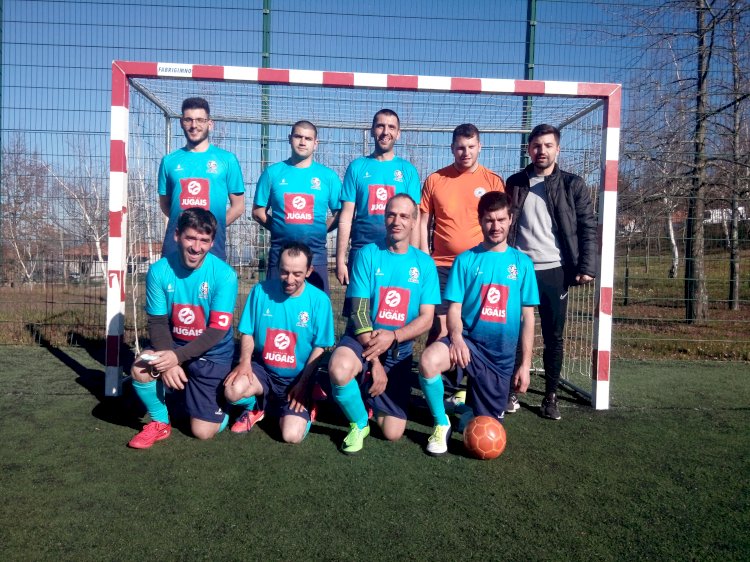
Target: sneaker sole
513,409
141,447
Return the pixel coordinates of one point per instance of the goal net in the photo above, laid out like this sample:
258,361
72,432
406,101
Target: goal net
253,110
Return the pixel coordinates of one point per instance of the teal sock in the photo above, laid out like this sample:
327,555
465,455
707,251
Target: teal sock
247,403
152,395
350,401
433,392
224,423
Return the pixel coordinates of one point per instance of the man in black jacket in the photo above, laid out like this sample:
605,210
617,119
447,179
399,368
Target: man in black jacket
554,225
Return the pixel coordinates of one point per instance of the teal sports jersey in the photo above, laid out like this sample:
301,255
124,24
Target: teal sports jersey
396,284
199,179
286,329
194,299
299,199
492,288
369,183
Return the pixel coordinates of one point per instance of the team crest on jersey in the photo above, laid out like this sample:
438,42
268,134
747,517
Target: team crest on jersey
315,183
203,290
188,321
378,273
378,197
302,319
512,272
278,349
170,288
298,208
398,176
413,275
212,167
194,193
479,191
393,306
267,313
494,303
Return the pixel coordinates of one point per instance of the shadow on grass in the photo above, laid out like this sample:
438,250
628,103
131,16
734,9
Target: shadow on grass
124,410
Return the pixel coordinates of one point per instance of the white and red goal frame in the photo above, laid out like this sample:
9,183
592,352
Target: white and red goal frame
123,71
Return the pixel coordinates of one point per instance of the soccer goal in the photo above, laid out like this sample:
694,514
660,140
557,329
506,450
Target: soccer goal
253,110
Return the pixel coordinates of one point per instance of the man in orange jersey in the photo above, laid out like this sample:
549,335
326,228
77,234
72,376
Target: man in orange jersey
449,207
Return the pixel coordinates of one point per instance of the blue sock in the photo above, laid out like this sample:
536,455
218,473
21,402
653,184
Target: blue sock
247,403
349,400
152,395
433,392
224,423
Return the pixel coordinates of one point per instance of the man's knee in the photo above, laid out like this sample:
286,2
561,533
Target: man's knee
293,429
433,360
392,427
204,430
343,367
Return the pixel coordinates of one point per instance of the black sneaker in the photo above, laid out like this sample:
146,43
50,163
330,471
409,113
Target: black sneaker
513,405
549,408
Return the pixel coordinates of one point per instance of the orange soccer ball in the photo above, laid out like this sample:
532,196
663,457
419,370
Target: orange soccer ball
484,438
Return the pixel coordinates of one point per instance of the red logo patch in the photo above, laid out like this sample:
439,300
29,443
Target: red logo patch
188,321
278,349
220,320
494,303
393,306
378,197
194,193
298,208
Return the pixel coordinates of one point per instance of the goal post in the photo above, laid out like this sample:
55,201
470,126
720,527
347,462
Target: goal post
146,99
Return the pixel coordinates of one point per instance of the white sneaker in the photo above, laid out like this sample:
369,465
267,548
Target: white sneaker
437,443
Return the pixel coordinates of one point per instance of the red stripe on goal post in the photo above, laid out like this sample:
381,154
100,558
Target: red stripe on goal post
403,82
529,87
112,358
208,72
273,76
118,160
341,79
601,365
467,85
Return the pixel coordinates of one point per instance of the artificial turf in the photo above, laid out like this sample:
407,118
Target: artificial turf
661,475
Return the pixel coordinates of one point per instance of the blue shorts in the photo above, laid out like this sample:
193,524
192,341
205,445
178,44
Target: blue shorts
204,391
487,388
276,391
318,278
394,401
443,271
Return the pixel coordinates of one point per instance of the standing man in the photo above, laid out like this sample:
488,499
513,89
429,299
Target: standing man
190,296
555,226
292,201
449,205
200,175
285,326
393,291
369,182
492,293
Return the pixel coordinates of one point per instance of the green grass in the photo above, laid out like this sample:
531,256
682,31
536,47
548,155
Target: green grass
662,475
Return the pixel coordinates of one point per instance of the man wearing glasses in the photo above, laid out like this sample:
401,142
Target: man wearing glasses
200,175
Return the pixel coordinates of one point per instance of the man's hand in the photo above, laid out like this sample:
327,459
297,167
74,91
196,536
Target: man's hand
175,378
380,342
522,378
165,360
299,396
459,352
241,370
342,272
583,279
379,379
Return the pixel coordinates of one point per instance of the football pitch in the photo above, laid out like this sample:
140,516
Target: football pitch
663,475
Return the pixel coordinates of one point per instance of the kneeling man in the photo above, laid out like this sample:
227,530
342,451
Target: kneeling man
492,292
285,326
393,291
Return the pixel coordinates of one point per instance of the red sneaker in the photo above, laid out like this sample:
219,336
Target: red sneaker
247,421
150,434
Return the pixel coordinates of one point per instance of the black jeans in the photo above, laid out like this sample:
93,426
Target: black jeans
553,306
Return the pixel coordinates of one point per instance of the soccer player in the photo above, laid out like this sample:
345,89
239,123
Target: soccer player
285,326
369,182
292,201
492,293
200,175
555,226
449,205
190,296
393,291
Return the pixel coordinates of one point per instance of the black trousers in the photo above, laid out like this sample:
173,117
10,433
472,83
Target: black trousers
553,306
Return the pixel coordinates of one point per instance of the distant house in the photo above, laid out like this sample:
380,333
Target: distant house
719,216
83,262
